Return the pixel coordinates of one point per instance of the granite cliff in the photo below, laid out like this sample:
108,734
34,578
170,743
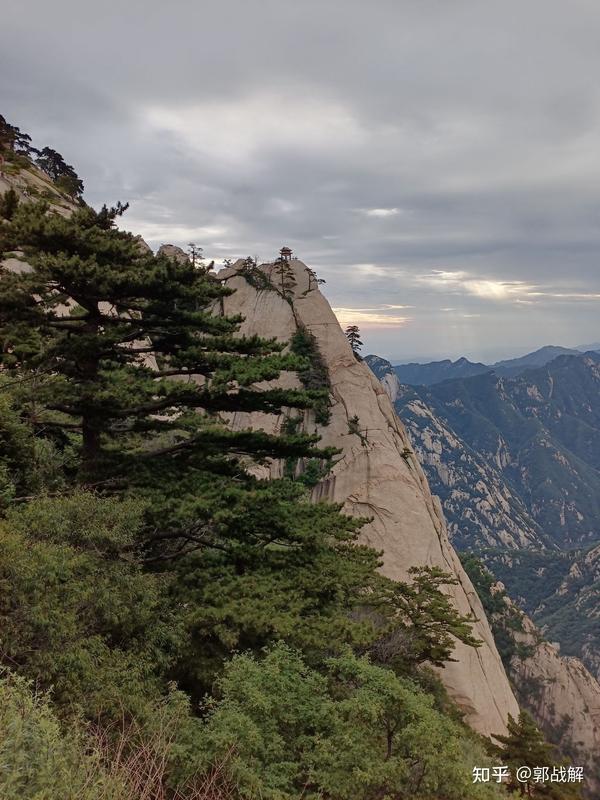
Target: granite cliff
377,474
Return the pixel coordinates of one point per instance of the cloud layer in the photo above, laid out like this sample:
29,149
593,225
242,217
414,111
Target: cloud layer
437,163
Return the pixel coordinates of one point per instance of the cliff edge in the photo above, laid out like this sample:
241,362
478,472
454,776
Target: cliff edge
377,474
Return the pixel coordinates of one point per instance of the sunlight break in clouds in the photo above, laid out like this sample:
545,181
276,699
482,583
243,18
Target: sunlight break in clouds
372,317
380,212
460,282
168,232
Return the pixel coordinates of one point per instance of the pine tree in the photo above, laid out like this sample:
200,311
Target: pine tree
61,173
524,746
195,254
8,204
285,278
428,622
353,336
113,326
13,139
117,357
313,280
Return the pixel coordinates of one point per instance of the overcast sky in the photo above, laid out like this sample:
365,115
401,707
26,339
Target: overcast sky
436,161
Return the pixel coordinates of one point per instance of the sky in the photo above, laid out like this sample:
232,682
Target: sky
437,162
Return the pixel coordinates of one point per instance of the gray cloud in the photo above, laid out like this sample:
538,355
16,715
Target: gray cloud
389,143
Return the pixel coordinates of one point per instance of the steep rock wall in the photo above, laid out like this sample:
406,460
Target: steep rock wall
377,474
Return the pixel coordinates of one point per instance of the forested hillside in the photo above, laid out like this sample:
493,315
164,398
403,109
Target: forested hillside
171,625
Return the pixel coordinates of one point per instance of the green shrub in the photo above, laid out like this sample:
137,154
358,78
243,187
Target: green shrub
354,733
38,760
73,614
316,375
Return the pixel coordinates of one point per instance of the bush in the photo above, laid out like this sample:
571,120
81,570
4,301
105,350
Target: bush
73,615
354,733
38,760
316,375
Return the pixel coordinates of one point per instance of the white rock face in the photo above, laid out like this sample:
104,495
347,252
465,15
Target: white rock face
377,476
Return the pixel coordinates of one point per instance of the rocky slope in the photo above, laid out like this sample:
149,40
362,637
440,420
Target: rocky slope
31,183
563,697
377,475
558,691
561,592
560,589
515,463
481,508
537,435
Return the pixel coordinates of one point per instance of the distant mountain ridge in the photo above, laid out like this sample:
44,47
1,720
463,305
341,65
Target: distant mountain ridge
428,374
585,348
515,461
538,358
536,434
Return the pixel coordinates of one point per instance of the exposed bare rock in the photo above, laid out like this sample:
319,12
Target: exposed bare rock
377,474
563,697
32,183
172,251
143,246
481,507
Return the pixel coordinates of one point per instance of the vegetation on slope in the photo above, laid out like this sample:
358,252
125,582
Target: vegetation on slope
172,627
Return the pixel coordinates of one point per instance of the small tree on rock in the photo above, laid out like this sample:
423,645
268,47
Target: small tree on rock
353,336
195,254
13,139
8,204
61,173
285,278
428,622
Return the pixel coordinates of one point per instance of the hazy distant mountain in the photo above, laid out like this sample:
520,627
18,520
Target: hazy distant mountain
481,508
539,358
541,429
416,374
516,464
586,348
436,371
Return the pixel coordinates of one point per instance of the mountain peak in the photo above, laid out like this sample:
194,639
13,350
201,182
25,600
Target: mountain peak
377,475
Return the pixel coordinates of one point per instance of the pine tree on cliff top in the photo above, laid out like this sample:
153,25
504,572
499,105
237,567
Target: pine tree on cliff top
353,335
13,139
63,174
